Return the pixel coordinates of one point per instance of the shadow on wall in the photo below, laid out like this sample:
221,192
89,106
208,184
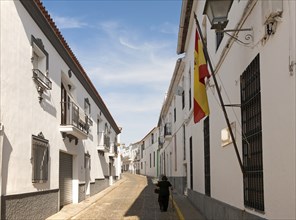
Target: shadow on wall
7,149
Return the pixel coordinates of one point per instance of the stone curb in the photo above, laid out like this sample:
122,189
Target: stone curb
179,213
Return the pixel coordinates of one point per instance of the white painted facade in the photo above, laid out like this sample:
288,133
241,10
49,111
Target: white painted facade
131,157
277,54
23,116
149,147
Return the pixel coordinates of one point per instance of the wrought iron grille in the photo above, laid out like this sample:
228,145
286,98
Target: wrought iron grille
39,159
252,136
207,156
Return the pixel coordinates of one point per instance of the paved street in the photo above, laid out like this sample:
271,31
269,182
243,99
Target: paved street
132,199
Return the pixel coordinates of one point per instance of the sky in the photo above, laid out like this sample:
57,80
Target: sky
128,50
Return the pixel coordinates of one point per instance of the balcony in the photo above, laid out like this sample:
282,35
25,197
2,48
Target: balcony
43,83
41,79
74,122
168,130
103,142
160,141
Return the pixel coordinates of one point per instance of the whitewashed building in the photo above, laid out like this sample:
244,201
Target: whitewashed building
174,115
255,70
58,142
131,158
149,153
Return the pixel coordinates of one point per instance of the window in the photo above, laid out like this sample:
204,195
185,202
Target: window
175,115
39,59
152,138
107,137
39,159
191,163
87,106
142,149
153,158
219,38
252,136
207,156
39,56
150,159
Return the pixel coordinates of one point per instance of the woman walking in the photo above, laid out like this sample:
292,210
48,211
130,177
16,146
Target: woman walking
164,193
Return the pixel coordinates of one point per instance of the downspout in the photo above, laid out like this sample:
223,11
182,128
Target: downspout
1,132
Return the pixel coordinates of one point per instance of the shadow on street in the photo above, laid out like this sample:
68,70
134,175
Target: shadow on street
146,206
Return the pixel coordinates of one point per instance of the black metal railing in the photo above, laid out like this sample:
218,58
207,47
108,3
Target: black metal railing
72,115
41,79
107,142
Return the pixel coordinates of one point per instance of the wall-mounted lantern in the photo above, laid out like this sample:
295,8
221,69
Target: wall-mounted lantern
217,13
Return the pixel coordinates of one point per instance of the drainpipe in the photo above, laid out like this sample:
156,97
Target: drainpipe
1,140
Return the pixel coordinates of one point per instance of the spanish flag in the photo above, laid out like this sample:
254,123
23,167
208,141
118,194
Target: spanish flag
200,99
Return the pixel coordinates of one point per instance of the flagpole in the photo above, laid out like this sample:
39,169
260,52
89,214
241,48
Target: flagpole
219,94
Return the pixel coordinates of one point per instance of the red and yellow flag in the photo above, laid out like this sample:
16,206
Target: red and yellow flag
200,99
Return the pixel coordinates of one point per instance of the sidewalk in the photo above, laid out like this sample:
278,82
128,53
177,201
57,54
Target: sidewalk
71,210
183,207
185,210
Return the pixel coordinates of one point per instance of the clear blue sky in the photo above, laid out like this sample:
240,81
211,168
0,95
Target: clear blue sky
128,49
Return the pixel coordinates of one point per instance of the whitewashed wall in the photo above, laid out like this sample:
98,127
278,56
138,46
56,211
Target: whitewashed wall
23,116
278,112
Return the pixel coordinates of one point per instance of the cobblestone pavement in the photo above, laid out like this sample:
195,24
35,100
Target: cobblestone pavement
133,199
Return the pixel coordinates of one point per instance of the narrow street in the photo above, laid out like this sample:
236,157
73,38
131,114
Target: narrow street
132,199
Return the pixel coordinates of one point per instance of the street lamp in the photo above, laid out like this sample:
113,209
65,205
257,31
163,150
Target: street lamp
217,13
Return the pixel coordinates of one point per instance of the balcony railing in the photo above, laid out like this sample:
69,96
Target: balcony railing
74,120
107,142
168,129
41,79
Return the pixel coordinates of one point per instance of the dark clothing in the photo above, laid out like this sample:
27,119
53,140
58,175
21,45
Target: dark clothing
164,193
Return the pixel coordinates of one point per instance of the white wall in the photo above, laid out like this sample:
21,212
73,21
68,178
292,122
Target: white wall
23,116
278,113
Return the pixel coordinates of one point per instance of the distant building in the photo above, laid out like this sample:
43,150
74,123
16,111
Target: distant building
131,158
58,140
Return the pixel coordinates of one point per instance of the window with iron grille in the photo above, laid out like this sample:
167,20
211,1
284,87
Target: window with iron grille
207,156
252,136
39,159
